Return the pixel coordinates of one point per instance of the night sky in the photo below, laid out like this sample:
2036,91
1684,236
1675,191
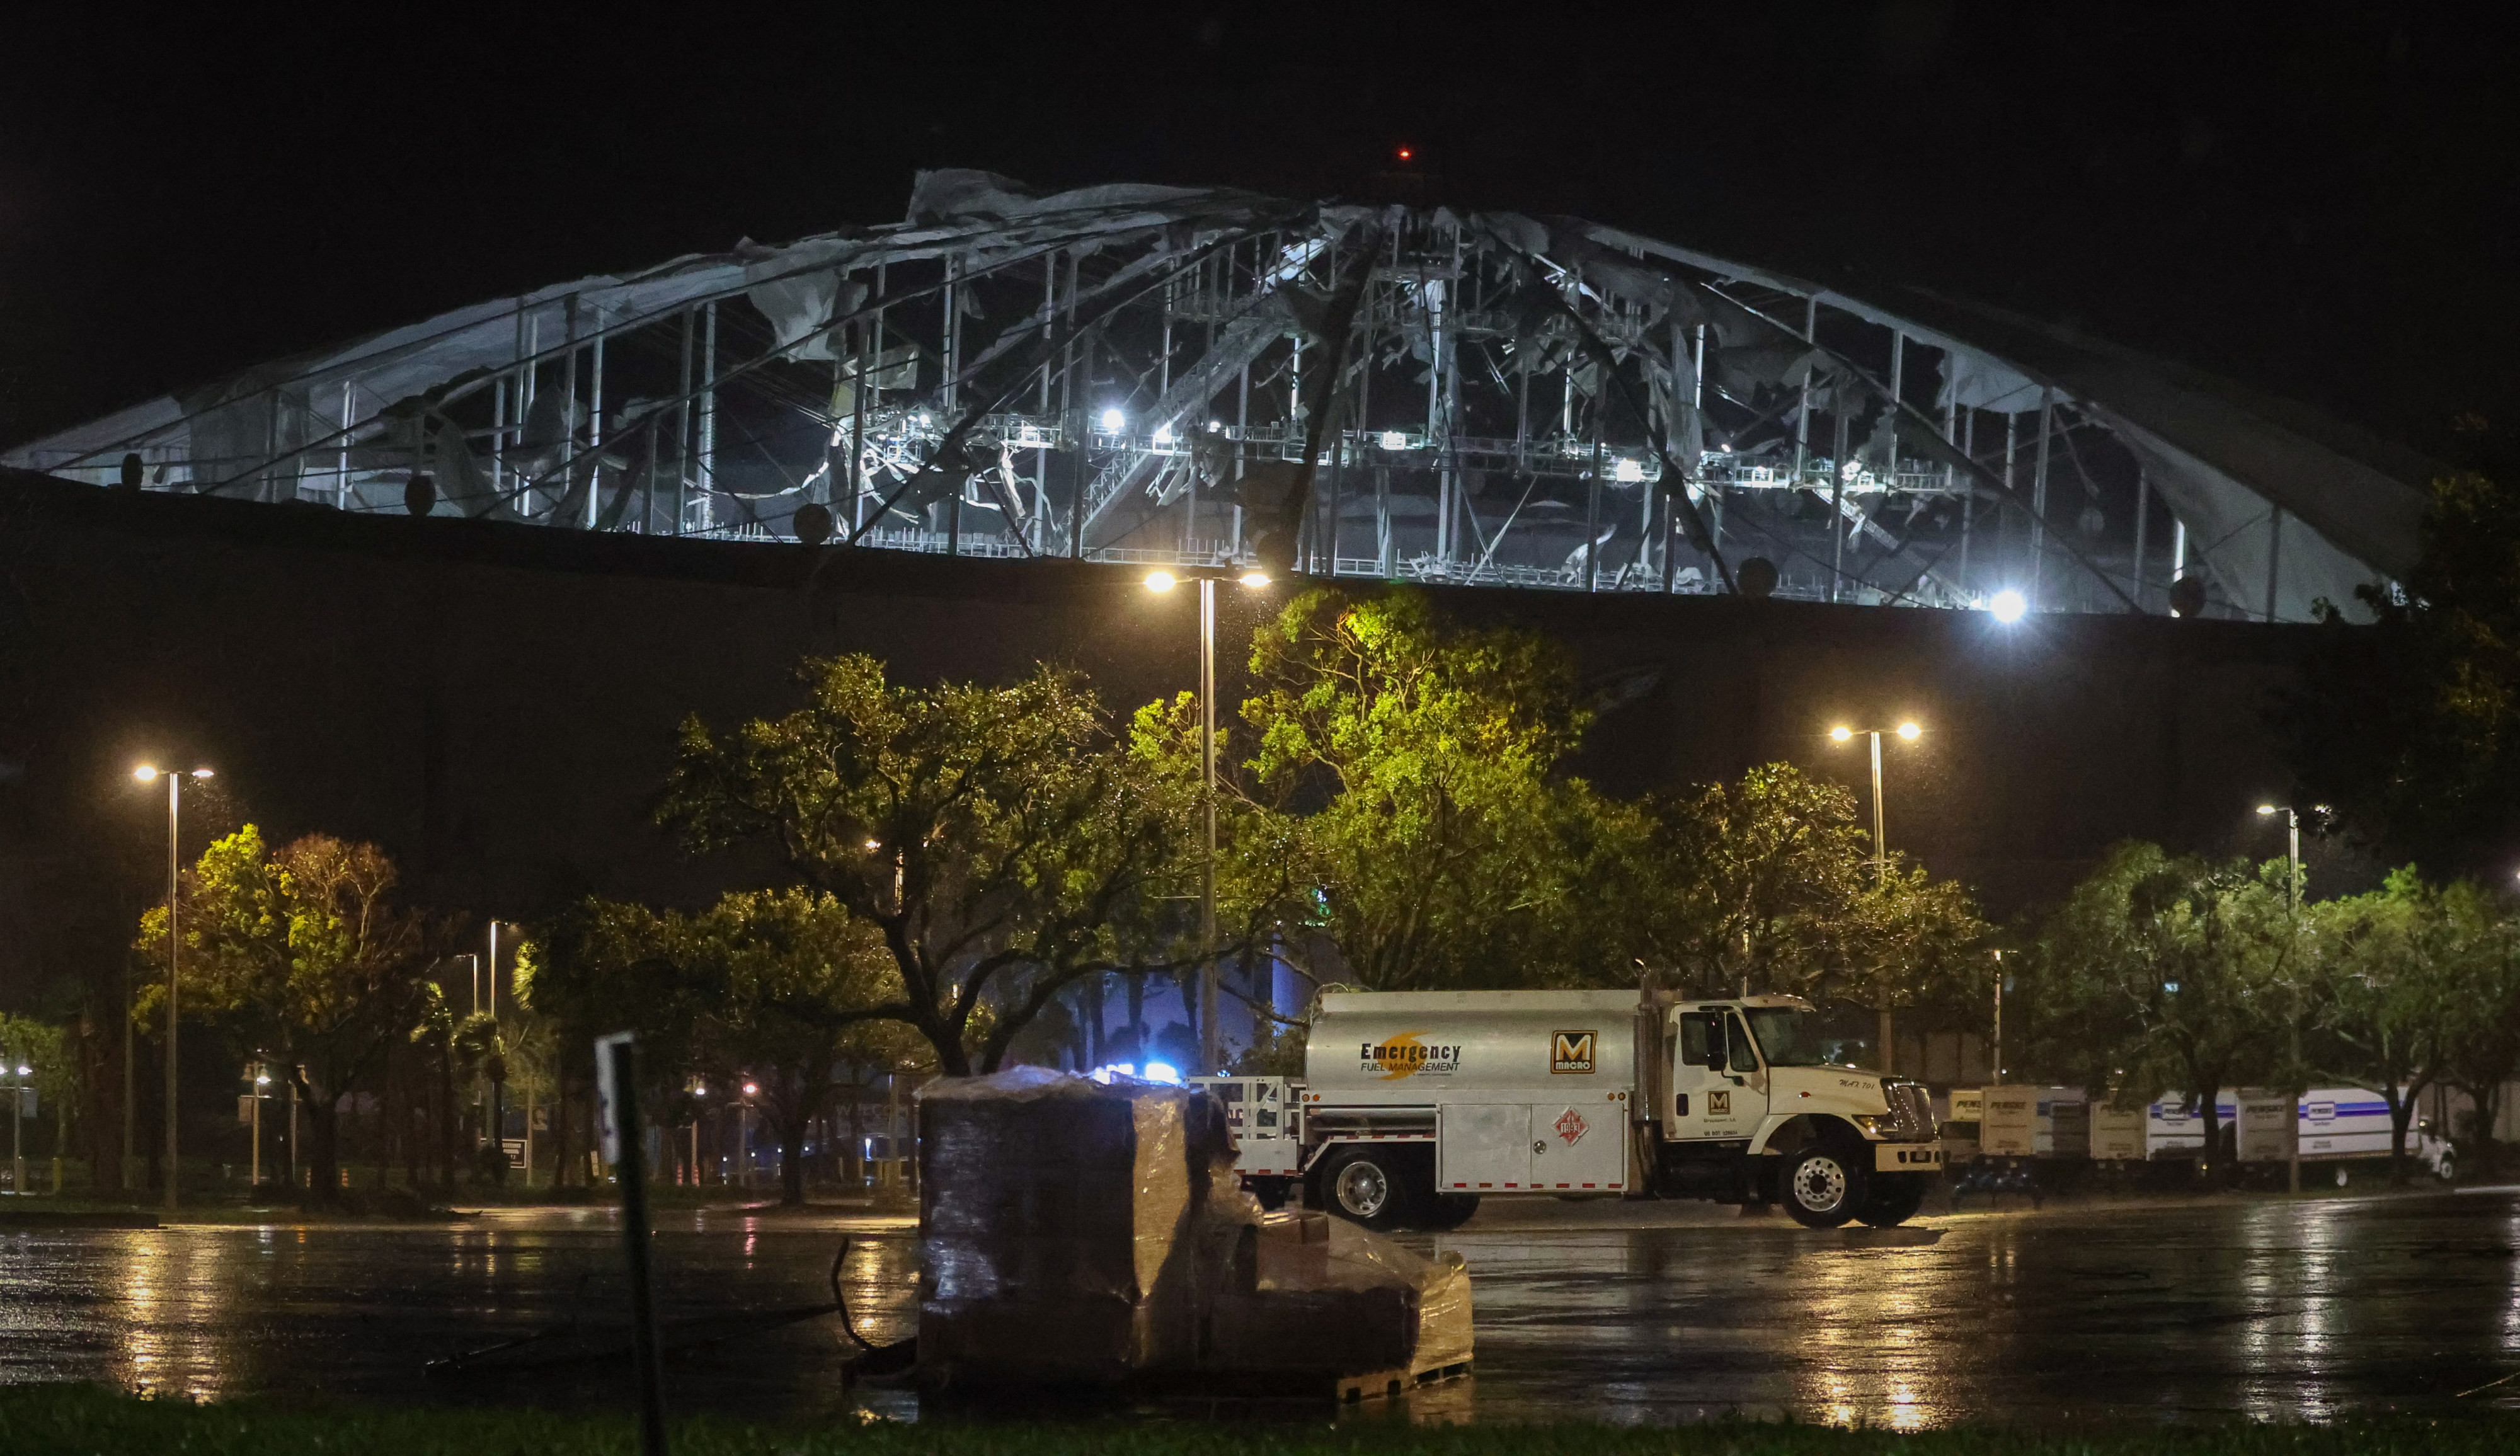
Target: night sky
2319,200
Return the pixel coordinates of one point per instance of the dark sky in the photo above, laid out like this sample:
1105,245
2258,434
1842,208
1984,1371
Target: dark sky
2316,199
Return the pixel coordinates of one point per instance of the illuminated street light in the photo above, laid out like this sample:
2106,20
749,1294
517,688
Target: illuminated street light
1162,581
149,773
2008,604
1909,732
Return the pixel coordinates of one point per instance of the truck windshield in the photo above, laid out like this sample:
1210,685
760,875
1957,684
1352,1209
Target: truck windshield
1788,1037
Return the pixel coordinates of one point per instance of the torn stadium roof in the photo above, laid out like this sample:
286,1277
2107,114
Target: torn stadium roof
1186,376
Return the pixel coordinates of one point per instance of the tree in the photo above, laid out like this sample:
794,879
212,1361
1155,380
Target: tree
2392,968
304,955
1769,883
2162,971
2412,725
1758,879
604,966
1404,770
1000,840
796,973
52,1065
2481,1054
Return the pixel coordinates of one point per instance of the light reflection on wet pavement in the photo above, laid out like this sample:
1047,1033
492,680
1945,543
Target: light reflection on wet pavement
2266,1310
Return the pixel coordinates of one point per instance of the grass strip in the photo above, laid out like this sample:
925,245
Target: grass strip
92,1421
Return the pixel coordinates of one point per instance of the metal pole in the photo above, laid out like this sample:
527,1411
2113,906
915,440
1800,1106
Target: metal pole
2142,524
2292,881
130,1086
1881,850
174,949
493,969
1838,508
1211,1045
2038,496
1998,1019
634,1242
1880,872
256,1180
708,418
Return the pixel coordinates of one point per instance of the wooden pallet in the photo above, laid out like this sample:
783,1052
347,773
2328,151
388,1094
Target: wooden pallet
1383,1384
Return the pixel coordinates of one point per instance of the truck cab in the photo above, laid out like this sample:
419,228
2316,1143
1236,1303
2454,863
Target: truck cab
1418,1105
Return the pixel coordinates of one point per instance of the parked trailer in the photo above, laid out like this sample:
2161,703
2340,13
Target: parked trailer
1416,1105
2337,1125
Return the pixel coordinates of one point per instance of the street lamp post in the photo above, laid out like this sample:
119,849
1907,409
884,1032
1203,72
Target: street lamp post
174,949
1211,1048
1907,731
18,1127
2292,1024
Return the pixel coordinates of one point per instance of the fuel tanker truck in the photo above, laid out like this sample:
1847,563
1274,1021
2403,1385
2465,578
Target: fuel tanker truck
1417,1105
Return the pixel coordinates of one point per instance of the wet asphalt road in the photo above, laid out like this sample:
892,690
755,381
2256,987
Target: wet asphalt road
1638,1314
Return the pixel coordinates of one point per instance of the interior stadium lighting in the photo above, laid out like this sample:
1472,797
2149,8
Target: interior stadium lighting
1159,582
1841,734
1255,578
1628,473
1113,422
2008,604
1164,435
1909,731
1393,440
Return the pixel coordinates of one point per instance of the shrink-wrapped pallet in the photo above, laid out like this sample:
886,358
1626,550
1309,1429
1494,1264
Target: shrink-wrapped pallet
1082,1234
1055,1224
1316,1295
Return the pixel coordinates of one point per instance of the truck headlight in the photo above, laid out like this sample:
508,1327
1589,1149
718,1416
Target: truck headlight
1873,1125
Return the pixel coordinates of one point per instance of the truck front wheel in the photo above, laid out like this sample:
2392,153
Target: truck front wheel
1894,1199
1822,1186
1368,1186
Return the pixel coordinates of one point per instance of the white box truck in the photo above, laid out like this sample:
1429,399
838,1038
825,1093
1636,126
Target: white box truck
2338,1125
1417,1105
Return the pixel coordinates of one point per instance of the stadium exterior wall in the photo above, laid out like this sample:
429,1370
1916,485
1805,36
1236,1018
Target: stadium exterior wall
496,704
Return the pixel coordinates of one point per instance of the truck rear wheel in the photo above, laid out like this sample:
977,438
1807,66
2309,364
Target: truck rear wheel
1368,1185
1823,1186
1894,1199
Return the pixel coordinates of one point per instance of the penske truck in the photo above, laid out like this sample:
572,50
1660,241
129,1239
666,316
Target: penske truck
1416,1105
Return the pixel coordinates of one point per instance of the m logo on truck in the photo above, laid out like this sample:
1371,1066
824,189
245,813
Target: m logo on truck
1570,1052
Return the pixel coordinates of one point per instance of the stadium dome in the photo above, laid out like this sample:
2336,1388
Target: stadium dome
1189,377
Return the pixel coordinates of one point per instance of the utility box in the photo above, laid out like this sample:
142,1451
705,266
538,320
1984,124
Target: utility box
2117,1135
2035,1122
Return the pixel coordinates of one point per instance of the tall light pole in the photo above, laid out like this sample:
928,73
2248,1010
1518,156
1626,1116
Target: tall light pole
2292,1024
1211,1046
1909,732
174,949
